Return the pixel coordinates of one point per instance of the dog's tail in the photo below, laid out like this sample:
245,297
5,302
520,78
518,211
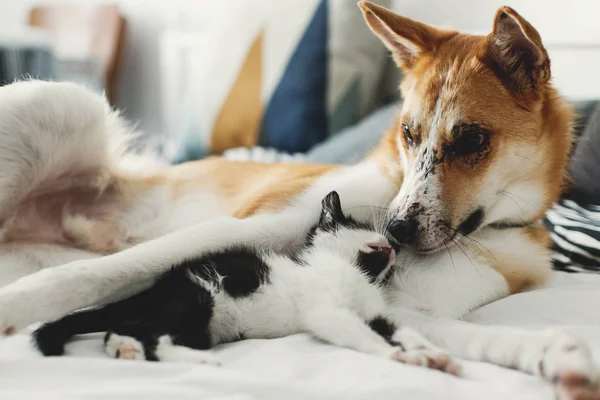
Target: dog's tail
51,337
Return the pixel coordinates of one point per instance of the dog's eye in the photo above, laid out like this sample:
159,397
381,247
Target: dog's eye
471,143
408,135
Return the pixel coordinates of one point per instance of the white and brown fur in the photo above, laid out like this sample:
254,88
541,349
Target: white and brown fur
476,156
332,289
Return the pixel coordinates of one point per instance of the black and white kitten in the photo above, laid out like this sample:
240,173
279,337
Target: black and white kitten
331,289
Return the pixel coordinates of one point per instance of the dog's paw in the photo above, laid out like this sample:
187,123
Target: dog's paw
421,352
573,388
43,296
14,314
567,362
567,359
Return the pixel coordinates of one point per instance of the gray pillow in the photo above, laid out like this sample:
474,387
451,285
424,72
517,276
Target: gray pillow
585,162
354,143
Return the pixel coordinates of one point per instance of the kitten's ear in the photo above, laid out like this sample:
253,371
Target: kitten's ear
331,209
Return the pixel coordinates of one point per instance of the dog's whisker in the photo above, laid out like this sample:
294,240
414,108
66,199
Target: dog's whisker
466,255
526,158
520,198
476,243
451,258
505,194
378,216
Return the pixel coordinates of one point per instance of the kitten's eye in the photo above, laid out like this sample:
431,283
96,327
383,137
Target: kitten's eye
407,135
471,143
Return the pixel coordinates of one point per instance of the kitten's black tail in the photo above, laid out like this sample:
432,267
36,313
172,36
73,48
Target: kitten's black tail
51,338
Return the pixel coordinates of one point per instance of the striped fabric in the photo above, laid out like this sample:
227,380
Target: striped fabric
295,73
575,230
263,155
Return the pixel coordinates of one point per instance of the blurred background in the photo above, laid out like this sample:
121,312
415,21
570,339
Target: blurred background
202,76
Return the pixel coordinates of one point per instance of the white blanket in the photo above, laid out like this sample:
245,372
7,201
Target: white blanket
298,367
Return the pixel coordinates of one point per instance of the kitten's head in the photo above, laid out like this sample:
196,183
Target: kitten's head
359,242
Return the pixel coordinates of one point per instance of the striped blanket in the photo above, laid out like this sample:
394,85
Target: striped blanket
575,230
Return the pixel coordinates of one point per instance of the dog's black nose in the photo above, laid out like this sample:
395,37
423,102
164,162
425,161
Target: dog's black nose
404,231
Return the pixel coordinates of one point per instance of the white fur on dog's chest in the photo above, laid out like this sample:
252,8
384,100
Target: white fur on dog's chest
446,284
363,189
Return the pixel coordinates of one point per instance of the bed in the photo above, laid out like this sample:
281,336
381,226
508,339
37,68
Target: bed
298,367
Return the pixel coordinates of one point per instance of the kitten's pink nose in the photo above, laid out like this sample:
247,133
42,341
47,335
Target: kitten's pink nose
379,248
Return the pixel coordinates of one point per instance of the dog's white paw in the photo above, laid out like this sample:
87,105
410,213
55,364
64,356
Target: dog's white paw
48,295
565,357
15,311
576,389
421,352
567,362
43,296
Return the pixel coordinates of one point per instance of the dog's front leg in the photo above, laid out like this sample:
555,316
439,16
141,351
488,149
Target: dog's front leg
554,355
53,293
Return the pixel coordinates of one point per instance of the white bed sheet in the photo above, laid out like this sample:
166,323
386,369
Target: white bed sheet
298,367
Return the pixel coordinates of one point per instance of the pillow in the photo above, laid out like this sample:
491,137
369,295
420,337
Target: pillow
585,162
348,147
263,155
574,222
285,75
354,143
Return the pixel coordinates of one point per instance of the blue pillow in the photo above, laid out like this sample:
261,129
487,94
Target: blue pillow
288,78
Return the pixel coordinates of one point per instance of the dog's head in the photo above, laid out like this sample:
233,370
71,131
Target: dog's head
482,138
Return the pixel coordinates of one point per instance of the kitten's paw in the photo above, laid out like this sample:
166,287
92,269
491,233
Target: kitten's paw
567,361
421,352
124,347
167,351
428,358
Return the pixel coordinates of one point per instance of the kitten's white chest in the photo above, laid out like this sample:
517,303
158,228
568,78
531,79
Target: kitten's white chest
293,292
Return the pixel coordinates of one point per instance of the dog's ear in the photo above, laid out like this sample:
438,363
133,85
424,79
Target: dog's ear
515,52
331,209
405,38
